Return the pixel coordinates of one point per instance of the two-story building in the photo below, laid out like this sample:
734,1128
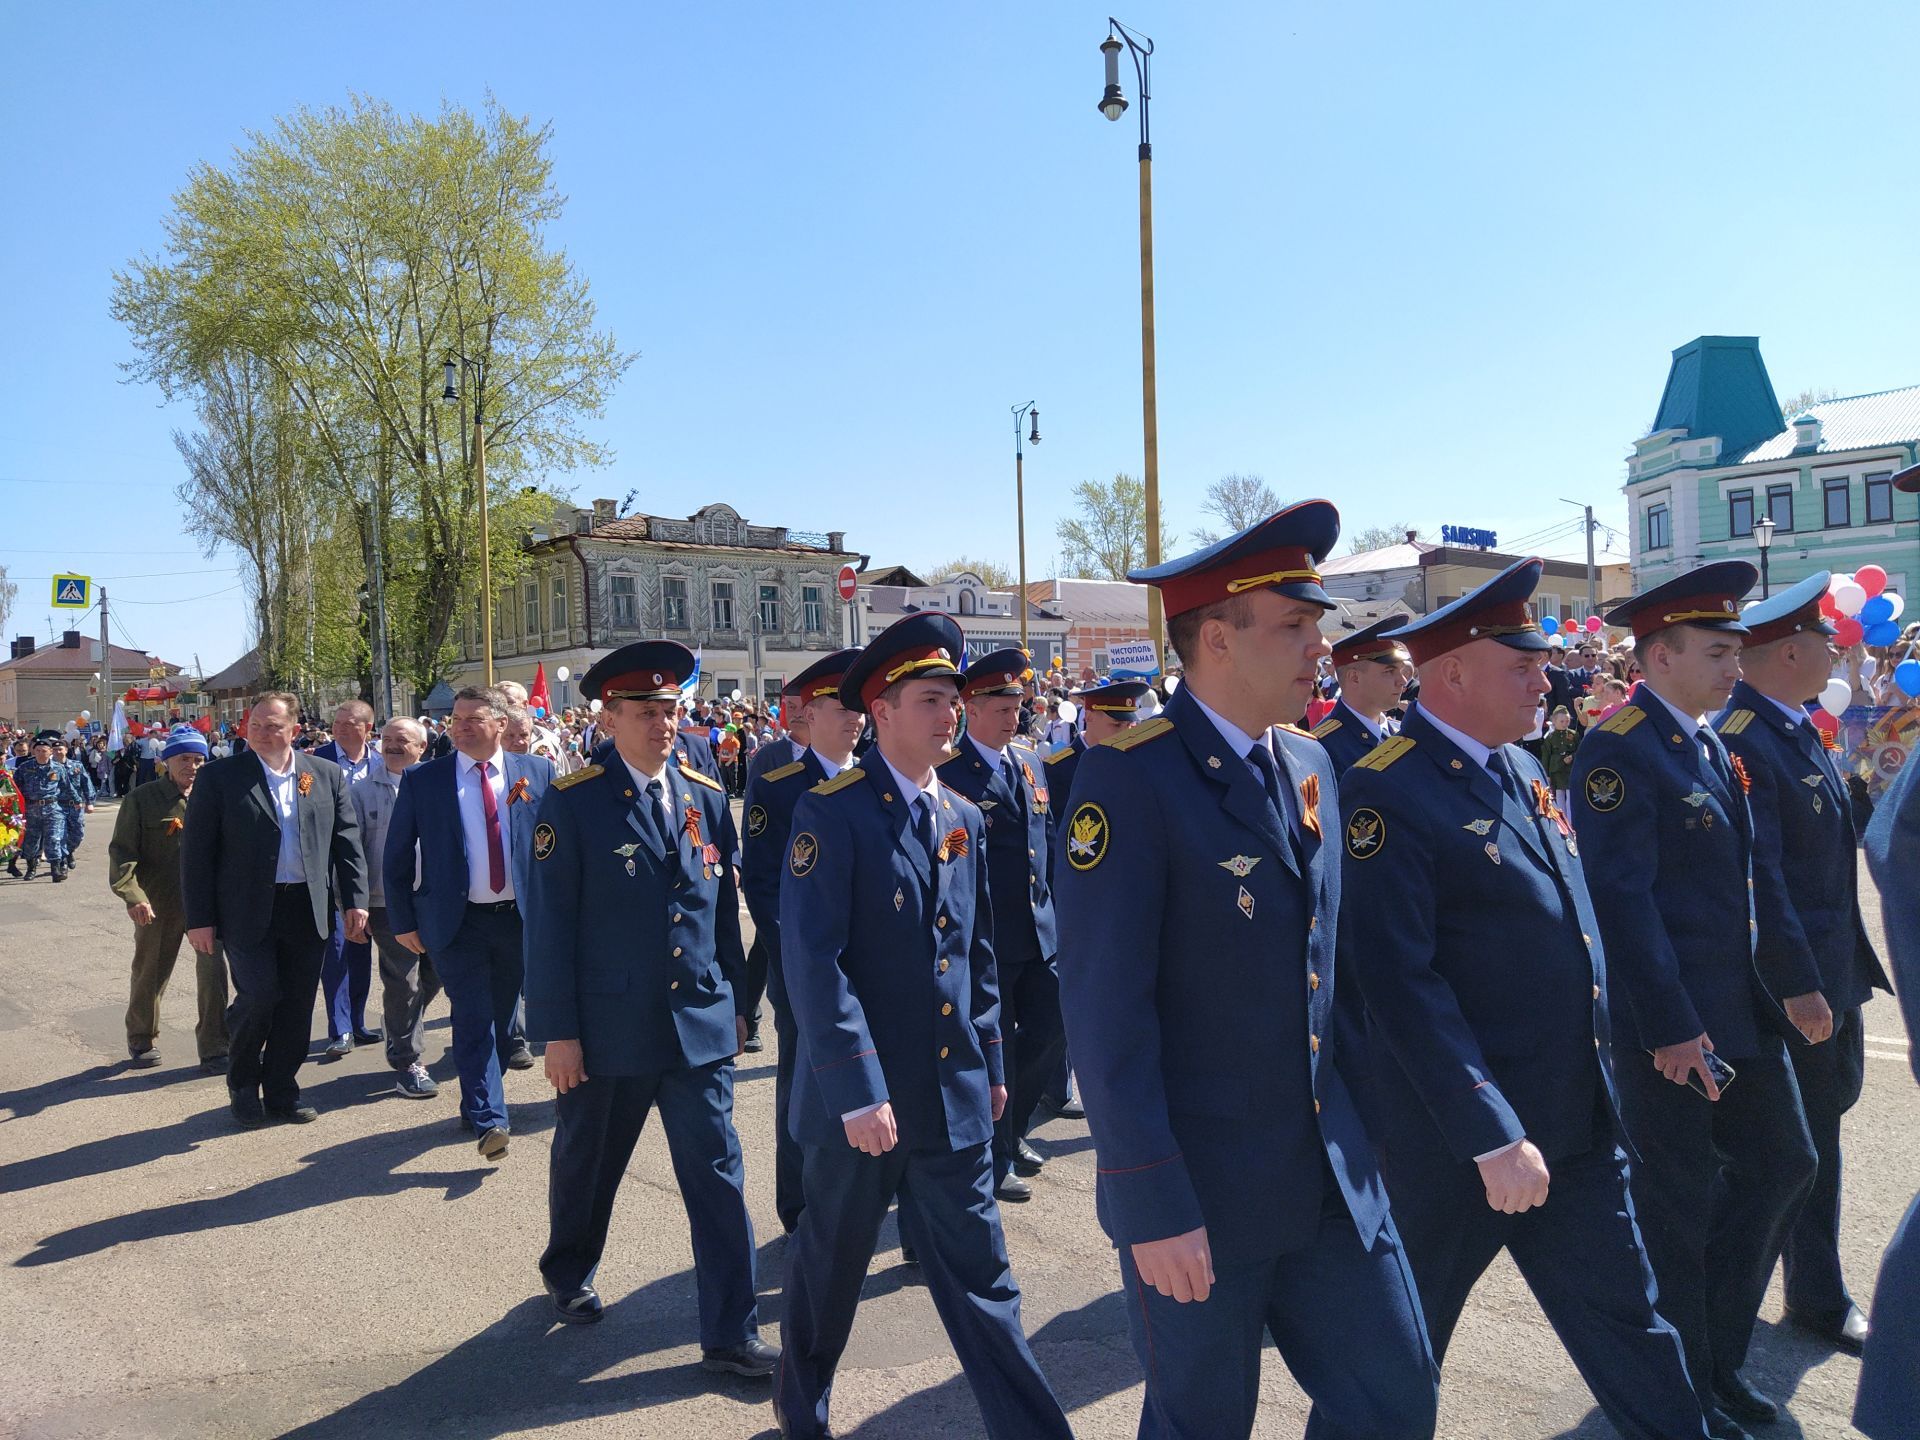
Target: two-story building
988,617
1720,460
45,686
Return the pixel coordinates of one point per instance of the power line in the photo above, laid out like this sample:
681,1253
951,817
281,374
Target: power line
183,600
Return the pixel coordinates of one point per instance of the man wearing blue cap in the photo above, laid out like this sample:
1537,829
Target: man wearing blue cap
41,784
886,939
1813,946
1200,885
1372,666
1467,923
143,869
1725,1164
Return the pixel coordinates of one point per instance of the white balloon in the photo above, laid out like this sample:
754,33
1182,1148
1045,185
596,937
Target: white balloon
594,705
1836,697
1173,683
1849,598
736,692
1836,581
1067,711
88,714
1899,605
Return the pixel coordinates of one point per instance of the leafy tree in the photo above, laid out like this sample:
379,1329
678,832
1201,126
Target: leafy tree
1378,537
1237,501
1107,535
1797,405
9,592
997,576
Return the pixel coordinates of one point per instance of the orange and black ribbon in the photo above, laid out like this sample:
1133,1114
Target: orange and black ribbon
1740,774
1310,805
305,783
955,845
519,790
175,825
693,826
1543,802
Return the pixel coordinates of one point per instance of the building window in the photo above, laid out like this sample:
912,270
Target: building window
723,605
813,608
769,609
532,593
1659,527
1740,513
625,606
557,608
1839,503
1780,506
673,602
1880,498
1099,662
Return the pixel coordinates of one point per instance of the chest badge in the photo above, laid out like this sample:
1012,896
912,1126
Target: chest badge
899,899
1817,805
1478,827
1697,799
1493,852
1240,866
1246,903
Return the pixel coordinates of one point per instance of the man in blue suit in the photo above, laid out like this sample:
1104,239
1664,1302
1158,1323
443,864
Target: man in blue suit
814,706
997,772
779,754
1813,947
1372,666
1467,923
1723,1168
346,972
886,927
634,959
471,814
1198,889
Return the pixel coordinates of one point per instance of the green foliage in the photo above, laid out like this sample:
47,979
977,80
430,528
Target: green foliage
1796,405
1237,501
1378,537
1107,535
997,576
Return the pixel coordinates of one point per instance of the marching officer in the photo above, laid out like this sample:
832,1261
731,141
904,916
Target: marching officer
76,796
1466,920
633,955
1372,666
1725,1161
832,727
886,941
1105,711
1200,887
41,784
995,769
1813,946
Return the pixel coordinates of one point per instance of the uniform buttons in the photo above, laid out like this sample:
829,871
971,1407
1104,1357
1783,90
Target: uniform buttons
1032,879
1316,1107
1586,937
673,985
1313,922
1753,925
676,952
1596,992
677,918
947,1009
943,967
944,1052
1313,979
1313,1043
941,922
1033,854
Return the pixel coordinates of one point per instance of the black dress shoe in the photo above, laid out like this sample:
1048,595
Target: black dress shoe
1070,1109
214,1065
1013,1188
1026,1160
367,1037
143,1059
338,1048
576,1307
1739,1399
521,1059
493,1144
295,1114
1722,1426
246,1108
1848,1333
753,1044
753,1358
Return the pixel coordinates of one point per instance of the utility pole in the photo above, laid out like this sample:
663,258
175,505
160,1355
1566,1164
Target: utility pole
1593,575
105,697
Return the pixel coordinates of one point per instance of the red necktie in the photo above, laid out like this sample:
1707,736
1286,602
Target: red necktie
496,856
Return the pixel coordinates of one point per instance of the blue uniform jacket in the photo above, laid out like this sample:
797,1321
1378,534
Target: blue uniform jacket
1017,872
888,963
693,751
426,808
37,782
633,951
1186,918
76,787
773,755
1062,765
1672,839
1345,737
771,796
1806,859
1466,922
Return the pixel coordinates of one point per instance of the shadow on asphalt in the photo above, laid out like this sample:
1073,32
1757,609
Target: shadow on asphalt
33,1099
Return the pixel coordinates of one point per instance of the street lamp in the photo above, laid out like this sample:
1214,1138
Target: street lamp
563,674
1763,542
451,394
1113,104
1020,502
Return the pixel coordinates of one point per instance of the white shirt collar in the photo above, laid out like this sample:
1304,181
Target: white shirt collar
994,757
1469,746
908,788
469,764
825,764
1379,732
1794,713
640,777
1692,724
1241,742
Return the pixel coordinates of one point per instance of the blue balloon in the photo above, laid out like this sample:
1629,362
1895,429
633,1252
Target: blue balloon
1907,676
1885,633
1549,625
1876,610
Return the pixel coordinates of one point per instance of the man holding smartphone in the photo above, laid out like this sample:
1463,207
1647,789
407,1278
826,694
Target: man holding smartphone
1663,810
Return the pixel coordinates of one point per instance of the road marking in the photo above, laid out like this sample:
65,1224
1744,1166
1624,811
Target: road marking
1901,1058
1892,1042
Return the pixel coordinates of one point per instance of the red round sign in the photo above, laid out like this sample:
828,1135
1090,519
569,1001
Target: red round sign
849,582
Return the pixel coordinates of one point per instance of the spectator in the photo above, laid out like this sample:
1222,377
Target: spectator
1556,753
346,975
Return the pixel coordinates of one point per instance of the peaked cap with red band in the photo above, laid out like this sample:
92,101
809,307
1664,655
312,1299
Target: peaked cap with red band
823,677
927,646
1282,552
1708,597
1496,610
1794,611
1119,698
998,672
644,670
1376,642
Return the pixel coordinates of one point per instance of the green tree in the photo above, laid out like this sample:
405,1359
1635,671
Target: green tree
1795,405
9,592
1378,537
349,251
1106,536
997,576
1236,501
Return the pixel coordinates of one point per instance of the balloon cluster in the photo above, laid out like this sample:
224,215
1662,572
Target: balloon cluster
1863,609
1549,625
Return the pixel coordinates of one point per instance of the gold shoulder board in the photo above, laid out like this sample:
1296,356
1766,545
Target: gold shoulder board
1060,754
852,775
1139,734
690,773
566,782
1736,723
1296,730
1326,727
1622,720
957,753
1385,753
792,767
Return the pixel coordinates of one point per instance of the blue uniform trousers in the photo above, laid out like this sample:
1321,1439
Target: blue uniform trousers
481,970
963,1257
45,834
1718,1186
1345,1320
596,1126
74,819
1888,1405
1037,1038
346,978
789,1195
1831,1076
271,1017
1580,1254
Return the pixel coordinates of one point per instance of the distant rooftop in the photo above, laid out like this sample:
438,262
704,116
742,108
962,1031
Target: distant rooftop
1859,422
1403,556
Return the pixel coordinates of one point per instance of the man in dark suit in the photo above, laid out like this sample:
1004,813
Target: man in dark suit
633,946
1722,1171
346,972
471,815
887,953
1198,894
1372,666
1813,947
1466,922
271,847
773,755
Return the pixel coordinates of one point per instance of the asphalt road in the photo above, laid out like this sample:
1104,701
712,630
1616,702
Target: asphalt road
370,1275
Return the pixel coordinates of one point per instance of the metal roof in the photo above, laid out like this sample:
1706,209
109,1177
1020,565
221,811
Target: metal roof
1403,556
1860,422
1718,385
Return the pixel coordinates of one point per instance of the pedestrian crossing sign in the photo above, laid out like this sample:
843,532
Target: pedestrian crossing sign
72,592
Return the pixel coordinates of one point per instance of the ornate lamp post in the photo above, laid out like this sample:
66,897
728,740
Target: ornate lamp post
1763,542
1020,502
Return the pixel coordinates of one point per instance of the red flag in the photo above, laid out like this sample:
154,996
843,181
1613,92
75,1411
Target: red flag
537,693
203,723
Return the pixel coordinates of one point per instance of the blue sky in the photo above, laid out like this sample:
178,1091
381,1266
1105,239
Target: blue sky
1426,261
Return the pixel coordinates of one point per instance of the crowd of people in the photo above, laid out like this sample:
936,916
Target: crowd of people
977,900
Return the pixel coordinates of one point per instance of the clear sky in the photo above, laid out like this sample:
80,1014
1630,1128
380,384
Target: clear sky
1427,261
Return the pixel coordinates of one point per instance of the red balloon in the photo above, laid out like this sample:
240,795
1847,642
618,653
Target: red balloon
1828,608
1870,578
1822,721
1848,632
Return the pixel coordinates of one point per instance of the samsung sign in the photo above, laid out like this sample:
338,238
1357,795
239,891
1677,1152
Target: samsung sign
1466,535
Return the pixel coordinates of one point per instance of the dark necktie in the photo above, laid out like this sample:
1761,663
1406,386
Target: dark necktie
923,827
1261,758
1715,761
1014,787
1503,773
496,852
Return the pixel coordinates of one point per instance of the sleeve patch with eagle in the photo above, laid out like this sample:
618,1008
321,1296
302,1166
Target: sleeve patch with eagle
1605,789
1366,834
803,856
1087,836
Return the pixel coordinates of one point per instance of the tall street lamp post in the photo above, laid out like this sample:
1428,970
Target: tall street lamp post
1763,542
1020,502
451,394
1113,104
